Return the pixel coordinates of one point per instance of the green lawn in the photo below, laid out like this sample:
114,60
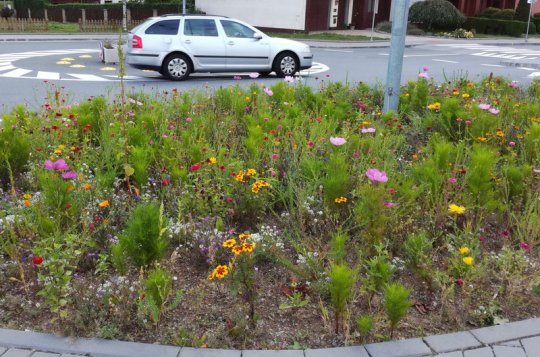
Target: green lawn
61,27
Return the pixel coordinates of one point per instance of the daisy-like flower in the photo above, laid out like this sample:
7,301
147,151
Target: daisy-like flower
464,250
248,247
244,236
237,249
221,271
453,208
337,141
468,261
229,243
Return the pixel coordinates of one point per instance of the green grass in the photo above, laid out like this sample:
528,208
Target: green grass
61,27
322,36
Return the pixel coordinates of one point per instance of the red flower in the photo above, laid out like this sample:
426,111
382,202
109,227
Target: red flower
37,260
459,281
195,167
68,206
222,168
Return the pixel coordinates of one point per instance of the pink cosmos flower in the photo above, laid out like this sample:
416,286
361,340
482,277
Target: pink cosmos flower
275,156
237,78
423,75
368,130
452,180
513,84
289,79
389,204
59,165
254,75
425,69
376,176
494,110
337,141
512,143
484,106
268,91
69,175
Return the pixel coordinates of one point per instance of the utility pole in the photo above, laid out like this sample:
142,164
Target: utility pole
530,2
395,60
183,7
124,15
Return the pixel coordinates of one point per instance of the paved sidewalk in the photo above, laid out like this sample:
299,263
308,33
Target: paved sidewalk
515,339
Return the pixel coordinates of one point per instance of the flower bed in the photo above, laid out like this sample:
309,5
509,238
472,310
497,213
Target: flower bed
275,217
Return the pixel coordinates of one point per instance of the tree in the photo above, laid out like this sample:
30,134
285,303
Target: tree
436,15
522,11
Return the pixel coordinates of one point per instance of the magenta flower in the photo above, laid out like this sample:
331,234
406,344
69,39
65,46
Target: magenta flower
388,204
423,75
376,176
268,91
484,106
237,78
368,130
69,175
494,110
59,165
254,75
524,246
337,141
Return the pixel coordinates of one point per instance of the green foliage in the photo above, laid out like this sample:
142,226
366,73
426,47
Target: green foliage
379,271
144,240
364,324
157,288
436,14
396,304
338,247
491,12
497,27
479,180
336,184
522,11
14,146
342,282
417,250
506,14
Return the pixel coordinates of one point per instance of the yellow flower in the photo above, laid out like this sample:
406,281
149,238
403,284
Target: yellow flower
455,92
212,160
470,85
61,147
453,208
468,261
340,199
434,106
465,95
482,138
251,172
27,196
248,247
464,250
220,271
58,152
244,236
229,243
212,275
237,249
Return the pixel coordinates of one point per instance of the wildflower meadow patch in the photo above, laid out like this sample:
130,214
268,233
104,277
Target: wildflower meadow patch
269,217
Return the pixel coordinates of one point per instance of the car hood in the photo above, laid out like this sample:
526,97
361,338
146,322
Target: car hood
288,44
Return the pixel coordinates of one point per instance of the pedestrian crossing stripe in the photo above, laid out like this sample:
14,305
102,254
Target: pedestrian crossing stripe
534,74
496,51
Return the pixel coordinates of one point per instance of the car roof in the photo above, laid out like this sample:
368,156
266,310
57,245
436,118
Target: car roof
191,15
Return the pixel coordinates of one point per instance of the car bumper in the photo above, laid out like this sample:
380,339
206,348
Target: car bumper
306,60
143,60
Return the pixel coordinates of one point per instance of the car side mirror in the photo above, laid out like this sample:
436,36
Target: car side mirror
257,36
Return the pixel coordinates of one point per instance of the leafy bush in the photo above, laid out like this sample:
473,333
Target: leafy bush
522,11
436,14
490,12
506,14
14,146
342,281
498,27
143,239
157,288
396,303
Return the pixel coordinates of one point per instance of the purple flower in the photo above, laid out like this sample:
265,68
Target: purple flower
513,84
425,69
268,91
237,78
368,130
69,175
376,176
484,106
494,110
59,165
337,141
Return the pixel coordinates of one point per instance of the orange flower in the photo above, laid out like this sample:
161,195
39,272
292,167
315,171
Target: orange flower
26,203
87,186
237,249
104,203
244,236
248,247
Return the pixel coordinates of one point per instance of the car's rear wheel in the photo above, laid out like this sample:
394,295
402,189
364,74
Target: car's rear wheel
177,67
286,64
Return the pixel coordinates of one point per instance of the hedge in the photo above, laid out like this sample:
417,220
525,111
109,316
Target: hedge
498,27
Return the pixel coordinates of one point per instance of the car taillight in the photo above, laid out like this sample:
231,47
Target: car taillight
136,41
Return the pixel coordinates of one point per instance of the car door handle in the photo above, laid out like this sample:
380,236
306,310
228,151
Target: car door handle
231,43
187,41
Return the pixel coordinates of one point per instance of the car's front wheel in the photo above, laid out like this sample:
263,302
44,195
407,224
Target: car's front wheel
177,67
286,64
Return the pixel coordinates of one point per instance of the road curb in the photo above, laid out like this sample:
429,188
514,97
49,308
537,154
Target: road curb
468,341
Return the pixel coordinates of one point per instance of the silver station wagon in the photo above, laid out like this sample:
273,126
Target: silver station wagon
178,45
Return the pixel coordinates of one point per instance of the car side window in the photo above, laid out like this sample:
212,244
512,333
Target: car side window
165,27
235,29
200,27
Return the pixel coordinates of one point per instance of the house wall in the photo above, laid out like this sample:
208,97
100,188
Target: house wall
277,14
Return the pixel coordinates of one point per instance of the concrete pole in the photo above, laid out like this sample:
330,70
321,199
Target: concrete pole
395,60
183,7
529,21
124,16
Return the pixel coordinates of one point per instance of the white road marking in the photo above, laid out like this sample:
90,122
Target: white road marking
48,75
440,60
315,68
491,65
534,74
434,55
87,77
5,68
330,50
526,68
16,72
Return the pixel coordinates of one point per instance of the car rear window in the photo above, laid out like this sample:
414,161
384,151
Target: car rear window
165,27
200,27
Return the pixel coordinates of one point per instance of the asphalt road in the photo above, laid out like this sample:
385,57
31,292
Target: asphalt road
27,69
